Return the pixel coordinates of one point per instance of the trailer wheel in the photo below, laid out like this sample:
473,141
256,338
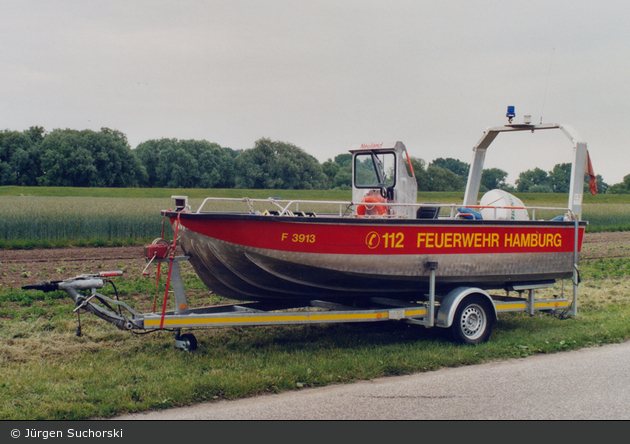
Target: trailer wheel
473,321
186,342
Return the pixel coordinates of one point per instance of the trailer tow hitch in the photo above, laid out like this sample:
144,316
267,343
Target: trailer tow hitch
104,308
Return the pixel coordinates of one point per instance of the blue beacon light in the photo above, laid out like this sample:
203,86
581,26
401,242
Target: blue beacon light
510,113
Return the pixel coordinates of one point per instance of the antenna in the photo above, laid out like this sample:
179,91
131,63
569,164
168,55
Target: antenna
546,85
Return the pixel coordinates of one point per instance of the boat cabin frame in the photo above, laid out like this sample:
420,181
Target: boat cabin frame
384,170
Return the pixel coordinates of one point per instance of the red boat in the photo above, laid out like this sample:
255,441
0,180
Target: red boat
383,243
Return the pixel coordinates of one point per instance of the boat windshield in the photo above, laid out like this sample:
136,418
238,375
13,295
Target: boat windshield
372,170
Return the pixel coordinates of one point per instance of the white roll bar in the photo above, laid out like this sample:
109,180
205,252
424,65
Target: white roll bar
578,168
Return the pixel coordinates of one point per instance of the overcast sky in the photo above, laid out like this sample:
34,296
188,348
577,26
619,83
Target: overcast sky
325,74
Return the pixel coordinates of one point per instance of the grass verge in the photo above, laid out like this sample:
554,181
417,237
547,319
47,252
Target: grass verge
51,374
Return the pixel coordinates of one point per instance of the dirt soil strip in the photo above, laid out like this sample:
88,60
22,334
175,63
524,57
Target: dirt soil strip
23,267
606,245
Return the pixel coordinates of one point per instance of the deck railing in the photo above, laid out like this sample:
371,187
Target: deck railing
348,208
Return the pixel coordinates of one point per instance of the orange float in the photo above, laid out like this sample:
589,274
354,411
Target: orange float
372,210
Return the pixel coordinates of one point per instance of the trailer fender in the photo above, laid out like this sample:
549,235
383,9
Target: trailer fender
449,304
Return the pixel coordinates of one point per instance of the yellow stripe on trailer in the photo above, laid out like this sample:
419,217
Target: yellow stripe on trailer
193,320
522,305
562,303
511,306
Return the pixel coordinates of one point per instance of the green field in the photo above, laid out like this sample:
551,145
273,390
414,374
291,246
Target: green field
40,217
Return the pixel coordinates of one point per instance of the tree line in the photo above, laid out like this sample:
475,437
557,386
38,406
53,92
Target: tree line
87,158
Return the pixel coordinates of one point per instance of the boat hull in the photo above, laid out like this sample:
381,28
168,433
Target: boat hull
256,258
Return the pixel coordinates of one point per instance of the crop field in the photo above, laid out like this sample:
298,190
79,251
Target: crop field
55,217
49,217
63,218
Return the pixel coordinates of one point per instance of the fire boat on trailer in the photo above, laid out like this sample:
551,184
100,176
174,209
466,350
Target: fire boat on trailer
381,256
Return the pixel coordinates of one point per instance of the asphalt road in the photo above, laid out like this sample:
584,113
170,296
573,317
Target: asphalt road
587,384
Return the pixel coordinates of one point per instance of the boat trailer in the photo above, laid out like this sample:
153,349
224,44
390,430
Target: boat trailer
467,311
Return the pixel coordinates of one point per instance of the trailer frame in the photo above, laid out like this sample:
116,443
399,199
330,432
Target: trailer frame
469,312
